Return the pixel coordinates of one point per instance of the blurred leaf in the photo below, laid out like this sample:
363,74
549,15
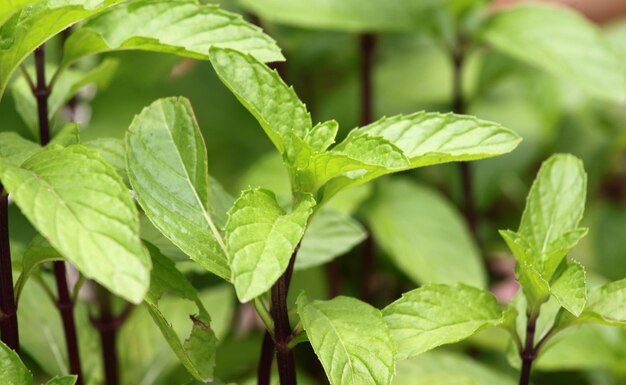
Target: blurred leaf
220,304
569,287
67,135
12,370
181,27
65,380
167,162
445,368
38,252
428,251
329,234
75,187
10,7
608,241
351,340
349,15
261,239
435,315
562,42
197,352
29,28
14,149
67,85
605,304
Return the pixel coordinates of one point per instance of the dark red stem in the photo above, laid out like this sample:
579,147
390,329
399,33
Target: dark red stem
107,325
65,304
8,314
529,353
264,372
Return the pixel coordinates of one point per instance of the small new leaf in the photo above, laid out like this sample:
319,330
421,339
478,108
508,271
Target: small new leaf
569,288
351,340
261,239
437,314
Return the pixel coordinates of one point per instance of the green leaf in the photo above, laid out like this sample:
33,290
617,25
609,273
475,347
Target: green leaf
197,352
29,28
12,370
261,90
167,167
569,287
80,205
261,239
421,139
605,304
400,217
39,251
348,15
576,50
113,151
66,86
181,27
329,234
64,380
351,340
67,135
549,226
10,7
14,149
436,314
446,368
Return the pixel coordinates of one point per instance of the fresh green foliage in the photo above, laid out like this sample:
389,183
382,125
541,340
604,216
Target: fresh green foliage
39,251
167,162
197,352
29,28
351,340
14,149
181,27
549,227
561,42
60,191
437,314
261,239
400,217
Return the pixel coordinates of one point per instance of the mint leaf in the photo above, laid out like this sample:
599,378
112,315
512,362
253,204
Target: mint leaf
10,7
605,304
12,370
261,90
67,135
14,149
75,187
113,151
38,252
29,28
560,41
181,27
167,167
400,216
549,226
329,234
197,352
261,239
436,314
569,287
64,380
351,340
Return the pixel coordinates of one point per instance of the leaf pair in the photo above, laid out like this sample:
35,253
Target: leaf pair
388,145
167,167
548,231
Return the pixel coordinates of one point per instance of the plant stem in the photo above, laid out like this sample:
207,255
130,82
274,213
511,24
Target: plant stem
282,329
65,304
367,44
264,372
8,316
529,353
465,169
107,325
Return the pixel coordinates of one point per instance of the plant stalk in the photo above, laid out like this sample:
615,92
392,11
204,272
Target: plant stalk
264,372
65,304
529,353
367,45
465,169
282,329
107,325
8,314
